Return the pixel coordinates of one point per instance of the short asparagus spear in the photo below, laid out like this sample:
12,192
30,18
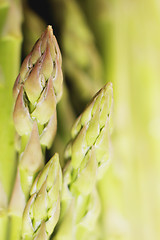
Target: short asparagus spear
43,207
91,132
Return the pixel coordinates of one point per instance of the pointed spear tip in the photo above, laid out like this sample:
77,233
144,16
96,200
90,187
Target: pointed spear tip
50,29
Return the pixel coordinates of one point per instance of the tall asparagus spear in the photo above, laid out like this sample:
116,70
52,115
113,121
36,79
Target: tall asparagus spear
129,41
37,90
87,156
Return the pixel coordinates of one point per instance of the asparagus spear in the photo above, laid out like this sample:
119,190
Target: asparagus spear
83,66
37,90
99,16
91,131
43,207
129,40
39,87
10,45
33,26
86,155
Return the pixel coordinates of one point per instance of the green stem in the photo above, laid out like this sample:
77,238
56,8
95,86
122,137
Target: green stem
10,47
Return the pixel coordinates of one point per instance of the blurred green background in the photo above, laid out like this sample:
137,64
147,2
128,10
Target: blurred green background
100,41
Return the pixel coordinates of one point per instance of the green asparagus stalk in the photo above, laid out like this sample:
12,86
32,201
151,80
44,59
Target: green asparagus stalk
86,75
33,26
81,60
37,90
99,16
3,212
87,157
43,207
10,45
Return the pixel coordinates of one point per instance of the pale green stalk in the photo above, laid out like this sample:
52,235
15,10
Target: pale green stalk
132,49
98,14
87,157
37,90
10,46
